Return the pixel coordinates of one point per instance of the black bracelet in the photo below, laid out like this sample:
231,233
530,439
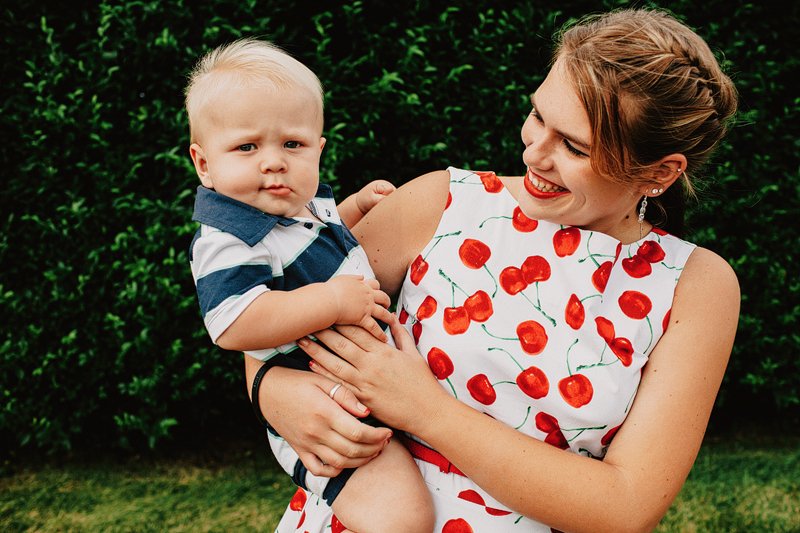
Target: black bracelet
254,394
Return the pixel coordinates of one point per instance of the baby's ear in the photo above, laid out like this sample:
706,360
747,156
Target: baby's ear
322,141
200,164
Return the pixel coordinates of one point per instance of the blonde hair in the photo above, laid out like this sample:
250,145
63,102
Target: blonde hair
651,87
246,62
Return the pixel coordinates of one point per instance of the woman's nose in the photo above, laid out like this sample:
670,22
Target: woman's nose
538,149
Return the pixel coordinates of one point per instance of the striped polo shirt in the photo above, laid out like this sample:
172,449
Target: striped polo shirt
240,252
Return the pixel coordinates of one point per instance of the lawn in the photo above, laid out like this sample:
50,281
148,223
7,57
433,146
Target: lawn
736,485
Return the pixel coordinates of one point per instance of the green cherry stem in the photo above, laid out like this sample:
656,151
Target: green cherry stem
438,239
493,349
569,350
492,218
526,418
537,307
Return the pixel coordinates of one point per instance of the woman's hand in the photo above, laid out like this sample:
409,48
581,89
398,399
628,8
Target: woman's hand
394,382
323,431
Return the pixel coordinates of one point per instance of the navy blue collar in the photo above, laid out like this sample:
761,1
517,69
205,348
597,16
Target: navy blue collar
239,219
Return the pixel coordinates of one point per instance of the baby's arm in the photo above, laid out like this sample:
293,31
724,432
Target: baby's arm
277,317
358,204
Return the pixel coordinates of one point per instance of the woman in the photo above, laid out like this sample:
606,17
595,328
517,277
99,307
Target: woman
557,303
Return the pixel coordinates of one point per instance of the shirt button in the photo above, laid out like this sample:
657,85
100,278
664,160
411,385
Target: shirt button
308,225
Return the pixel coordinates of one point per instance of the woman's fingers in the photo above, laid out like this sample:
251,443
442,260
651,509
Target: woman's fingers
344,396
338,368
317,467
402,339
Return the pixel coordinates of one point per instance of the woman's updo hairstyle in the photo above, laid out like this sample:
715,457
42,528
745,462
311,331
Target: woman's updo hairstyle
651,87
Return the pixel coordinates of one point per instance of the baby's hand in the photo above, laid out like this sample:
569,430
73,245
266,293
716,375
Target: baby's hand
360,302
372,193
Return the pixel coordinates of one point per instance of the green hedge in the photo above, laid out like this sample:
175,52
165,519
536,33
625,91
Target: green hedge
102,345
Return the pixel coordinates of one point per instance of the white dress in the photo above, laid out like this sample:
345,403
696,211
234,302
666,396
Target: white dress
545,328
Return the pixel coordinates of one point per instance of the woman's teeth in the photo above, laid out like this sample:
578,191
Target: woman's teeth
545,187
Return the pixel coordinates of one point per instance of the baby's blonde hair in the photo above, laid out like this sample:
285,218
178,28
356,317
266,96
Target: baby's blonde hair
246,62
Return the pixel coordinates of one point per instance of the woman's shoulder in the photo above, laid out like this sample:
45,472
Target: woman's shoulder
708,286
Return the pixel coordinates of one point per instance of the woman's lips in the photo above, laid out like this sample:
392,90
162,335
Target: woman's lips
539,187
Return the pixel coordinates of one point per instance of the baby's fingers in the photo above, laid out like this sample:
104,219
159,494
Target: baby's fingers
373,327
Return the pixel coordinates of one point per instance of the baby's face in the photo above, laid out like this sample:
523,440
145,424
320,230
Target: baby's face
261,147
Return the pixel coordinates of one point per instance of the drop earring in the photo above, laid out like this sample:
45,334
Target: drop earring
642,210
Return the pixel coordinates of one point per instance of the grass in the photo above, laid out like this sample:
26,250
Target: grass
736,485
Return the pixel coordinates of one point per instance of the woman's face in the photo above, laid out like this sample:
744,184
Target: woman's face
560,185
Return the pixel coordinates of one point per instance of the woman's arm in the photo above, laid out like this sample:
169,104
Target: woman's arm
646,464
395,231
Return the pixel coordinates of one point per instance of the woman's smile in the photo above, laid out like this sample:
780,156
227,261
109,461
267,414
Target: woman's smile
538,187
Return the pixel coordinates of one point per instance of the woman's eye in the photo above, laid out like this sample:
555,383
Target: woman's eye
292,144
574,150
249,147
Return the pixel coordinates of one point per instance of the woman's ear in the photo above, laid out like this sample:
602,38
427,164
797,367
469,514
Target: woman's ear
201,164
665,173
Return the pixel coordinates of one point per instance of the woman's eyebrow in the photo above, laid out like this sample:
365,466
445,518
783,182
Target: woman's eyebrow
571,138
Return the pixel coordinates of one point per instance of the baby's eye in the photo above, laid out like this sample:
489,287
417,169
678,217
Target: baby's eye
249,147
292,144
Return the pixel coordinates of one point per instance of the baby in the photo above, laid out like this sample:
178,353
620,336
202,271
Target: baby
274,261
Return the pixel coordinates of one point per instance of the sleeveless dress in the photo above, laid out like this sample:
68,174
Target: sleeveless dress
543,327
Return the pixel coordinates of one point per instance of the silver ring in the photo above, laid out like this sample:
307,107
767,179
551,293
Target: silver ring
332,393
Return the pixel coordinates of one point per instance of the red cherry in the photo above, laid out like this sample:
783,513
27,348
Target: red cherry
665,321
601,275
574,314
416,331
480,389
608,437
490,181
418,269
403,317
566,241
497,512
427,308
576,390
532,337
545,422
635,304
535,268
474,253
651,251
636,266
336,526
605,328
557,439
659,231
455,320
298,501
449,200
456,525
533,382
521,222
622,349
479,306
472,496
302,519
512,280
440,363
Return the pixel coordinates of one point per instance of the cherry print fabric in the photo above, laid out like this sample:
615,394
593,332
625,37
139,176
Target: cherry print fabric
545,328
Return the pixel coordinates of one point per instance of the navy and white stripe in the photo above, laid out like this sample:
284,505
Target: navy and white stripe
239,252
